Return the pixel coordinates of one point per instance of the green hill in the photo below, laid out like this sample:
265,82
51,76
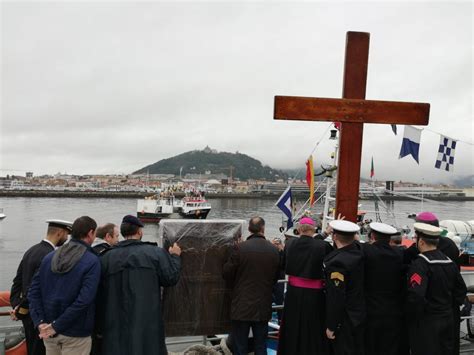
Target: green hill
207,160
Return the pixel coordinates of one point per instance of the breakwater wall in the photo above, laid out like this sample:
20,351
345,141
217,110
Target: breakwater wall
137,195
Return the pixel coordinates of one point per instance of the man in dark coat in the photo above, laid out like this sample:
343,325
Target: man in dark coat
304,324
345,303
385,289
435,285
252,269
448,248
106,237
62,293
56,236
133,273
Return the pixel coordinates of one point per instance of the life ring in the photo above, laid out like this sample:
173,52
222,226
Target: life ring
18,346
4,299
197,212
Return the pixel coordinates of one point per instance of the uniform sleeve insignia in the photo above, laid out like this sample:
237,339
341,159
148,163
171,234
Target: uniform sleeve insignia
337,276
415,279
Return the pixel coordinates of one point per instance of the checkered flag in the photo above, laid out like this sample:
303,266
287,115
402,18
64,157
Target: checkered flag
445,160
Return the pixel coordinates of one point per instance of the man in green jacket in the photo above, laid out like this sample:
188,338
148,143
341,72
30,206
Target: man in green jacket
133,272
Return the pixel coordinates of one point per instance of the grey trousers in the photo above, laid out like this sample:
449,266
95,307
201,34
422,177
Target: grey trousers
63,345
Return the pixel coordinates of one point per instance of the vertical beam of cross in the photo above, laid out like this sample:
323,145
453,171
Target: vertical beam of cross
350,144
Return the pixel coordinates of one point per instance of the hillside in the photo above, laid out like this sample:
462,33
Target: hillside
207,160
464,181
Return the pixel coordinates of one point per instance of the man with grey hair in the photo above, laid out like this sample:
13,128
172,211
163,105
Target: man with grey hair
303,324
252,270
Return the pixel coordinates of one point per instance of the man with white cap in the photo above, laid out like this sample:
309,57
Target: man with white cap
448,248
385,286
345,303
434,286
446,245
303,326
56,235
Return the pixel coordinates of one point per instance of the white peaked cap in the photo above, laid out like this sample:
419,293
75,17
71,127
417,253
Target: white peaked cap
382,228
344,226
60,223
427,229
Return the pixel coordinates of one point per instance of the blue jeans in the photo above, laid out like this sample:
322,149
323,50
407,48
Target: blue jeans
240,335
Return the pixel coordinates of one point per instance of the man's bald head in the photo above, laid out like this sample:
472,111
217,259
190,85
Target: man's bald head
257,225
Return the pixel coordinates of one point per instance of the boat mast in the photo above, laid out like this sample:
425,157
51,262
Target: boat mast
329,183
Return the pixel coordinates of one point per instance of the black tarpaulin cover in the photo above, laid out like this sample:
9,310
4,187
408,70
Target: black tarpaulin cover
200,303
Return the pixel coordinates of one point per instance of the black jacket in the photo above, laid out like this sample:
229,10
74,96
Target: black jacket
252,269
344,270
385,279
435,285
29,264
130,311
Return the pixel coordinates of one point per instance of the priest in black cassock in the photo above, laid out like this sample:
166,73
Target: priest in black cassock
303,325
56,236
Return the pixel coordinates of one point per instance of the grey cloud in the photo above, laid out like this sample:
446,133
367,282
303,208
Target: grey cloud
112,87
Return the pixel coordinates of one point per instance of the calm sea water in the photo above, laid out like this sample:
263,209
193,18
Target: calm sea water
25,223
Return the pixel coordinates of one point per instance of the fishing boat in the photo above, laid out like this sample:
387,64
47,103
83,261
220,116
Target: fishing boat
157,207
2,215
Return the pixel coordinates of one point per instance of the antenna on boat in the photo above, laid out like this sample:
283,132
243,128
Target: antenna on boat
422,192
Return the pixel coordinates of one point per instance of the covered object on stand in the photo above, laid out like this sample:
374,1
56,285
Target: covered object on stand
200,303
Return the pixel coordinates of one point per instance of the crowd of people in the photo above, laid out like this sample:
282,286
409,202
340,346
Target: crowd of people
347,297
94,294
98,295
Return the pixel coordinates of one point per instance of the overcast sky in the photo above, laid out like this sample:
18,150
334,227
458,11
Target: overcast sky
112,87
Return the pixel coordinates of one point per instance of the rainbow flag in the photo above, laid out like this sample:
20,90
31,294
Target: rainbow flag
310,178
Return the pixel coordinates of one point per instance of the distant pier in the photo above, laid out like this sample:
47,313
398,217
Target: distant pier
250,195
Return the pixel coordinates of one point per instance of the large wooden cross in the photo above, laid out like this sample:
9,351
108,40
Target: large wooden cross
352,111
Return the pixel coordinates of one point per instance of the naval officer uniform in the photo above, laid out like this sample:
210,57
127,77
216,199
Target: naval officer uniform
385,289
29,264
345,303
435,285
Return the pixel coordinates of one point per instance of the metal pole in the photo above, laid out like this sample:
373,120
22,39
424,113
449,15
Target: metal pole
328,189
326,204
422,192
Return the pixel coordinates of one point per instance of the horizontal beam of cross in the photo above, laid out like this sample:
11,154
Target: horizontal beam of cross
350,110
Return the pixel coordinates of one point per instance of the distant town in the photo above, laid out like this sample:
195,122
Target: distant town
209,184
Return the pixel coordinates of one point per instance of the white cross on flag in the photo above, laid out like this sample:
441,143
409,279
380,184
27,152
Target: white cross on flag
447,148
